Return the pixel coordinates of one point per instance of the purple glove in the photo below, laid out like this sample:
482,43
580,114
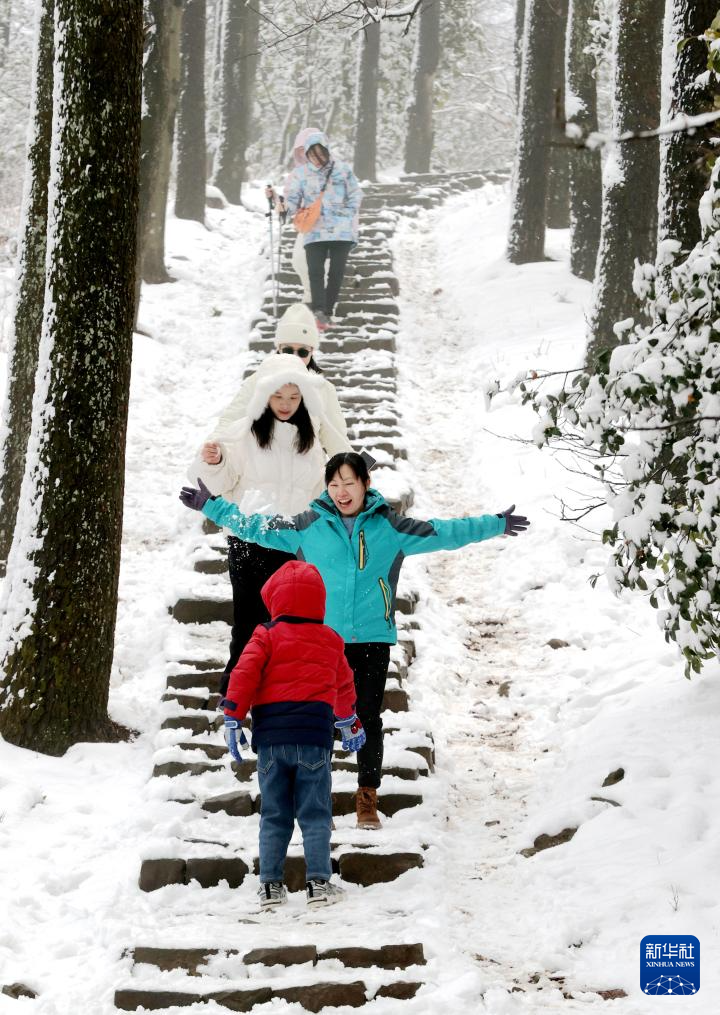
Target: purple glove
196,499
514,524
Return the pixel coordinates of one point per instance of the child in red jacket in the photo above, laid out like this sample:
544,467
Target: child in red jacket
294,675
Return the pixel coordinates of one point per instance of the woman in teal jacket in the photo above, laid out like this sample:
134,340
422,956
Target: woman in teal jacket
358,544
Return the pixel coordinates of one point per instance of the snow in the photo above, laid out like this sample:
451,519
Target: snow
511,766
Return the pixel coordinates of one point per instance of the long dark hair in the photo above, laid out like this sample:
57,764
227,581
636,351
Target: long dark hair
350,458
312,365
263,428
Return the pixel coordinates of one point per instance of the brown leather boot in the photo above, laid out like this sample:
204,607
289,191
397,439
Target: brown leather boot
366,808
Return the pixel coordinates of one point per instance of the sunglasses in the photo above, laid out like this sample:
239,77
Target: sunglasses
302,352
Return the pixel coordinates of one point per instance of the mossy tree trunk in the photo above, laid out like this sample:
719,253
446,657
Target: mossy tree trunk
30,289
518,47
241,29
585,164
367,102
684,168
557,209
60,594
190,141
526,240
420,136
631,172
161,87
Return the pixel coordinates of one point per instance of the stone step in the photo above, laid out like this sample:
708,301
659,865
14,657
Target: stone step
311,997
209,679
364,866
394,699
241,804
381,340
208,611
208,872
245,771
191,960
406,203
203,611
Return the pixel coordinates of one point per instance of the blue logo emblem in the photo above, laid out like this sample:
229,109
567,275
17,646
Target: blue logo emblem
670,964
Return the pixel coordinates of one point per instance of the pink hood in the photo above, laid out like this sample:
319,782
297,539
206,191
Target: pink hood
299,143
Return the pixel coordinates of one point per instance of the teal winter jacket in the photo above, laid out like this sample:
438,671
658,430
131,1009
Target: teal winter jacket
360,570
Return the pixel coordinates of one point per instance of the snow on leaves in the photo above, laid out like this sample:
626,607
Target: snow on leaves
646,424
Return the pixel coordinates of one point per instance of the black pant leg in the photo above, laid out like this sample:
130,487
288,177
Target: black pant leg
250,566
369,663
339,251
316,254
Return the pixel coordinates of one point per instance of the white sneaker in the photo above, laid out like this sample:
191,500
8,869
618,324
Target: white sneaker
323,893
272,893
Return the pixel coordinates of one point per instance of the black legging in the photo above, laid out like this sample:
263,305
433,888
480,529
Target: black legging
250,567
369,663
324,297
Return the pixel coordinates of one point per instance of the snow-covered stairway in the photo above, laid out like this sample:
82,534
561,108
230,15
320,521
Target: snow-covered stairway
220,950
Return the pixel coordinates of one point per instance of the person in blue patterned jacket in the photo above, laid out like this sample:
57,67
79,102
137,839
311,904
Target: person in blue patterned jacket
357,543
336,231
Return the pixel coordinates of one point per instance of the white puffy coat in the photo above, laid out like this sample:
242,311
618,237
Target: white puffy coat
273,480
276,479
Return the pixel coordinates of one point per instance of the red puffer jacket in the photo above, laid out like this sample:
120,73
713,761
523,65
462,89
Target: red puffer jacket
293,671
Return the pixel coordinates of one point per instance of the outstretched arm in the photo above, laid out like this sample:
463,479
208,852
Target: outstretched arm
274,531
416,536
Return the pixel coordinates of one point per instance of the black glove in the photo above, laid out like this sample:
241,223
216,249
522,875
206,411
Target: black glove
513,523
196,499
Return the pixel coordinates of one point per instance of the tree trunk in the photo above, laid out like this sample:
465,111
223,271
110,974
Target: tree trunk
684,172
419,138
5,12
526,241
213,106
241,30
30,289
367,101
585,165
630,185
518,47
161,85
191,154
60,594
557,209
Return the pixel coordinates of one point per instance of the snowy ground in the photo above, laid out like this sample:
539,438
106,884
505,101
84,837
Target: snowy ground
525,734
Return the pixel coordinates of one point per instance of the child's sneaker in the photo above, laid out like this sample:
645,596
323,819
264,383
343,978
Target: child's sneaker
323,893
272,893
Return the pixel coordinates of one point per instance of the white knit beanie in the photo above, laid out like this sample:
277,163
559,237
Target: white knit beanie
297,326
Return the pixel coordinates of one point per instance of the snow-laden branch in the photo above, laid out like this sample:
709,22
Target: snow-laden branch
682,123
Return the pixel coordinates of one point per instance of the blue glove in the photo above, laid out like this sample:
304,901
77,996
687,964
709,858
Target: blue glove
196,499
514,524
352,733
235,738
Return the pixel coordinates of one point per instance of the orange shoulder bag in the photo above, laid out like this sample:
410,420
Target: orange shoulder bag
305,218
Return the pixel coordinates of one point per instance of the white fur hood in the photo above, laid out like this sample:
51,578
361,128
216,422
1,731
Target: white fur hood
280,369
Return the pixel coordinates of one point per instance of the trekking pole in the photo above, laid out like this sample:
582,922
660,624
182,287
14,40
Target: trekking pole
270,194
282,219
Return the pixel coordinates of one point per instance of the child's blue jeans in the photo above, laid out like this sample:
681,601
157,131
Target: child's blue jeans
295,782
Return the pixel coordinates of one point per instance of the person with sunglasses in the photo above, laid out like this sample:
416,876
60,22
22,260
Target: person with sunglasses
296,335
273,458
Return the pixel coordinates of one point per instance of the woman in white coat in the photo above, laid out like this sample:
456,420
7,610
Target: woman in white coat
295,335
272,459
